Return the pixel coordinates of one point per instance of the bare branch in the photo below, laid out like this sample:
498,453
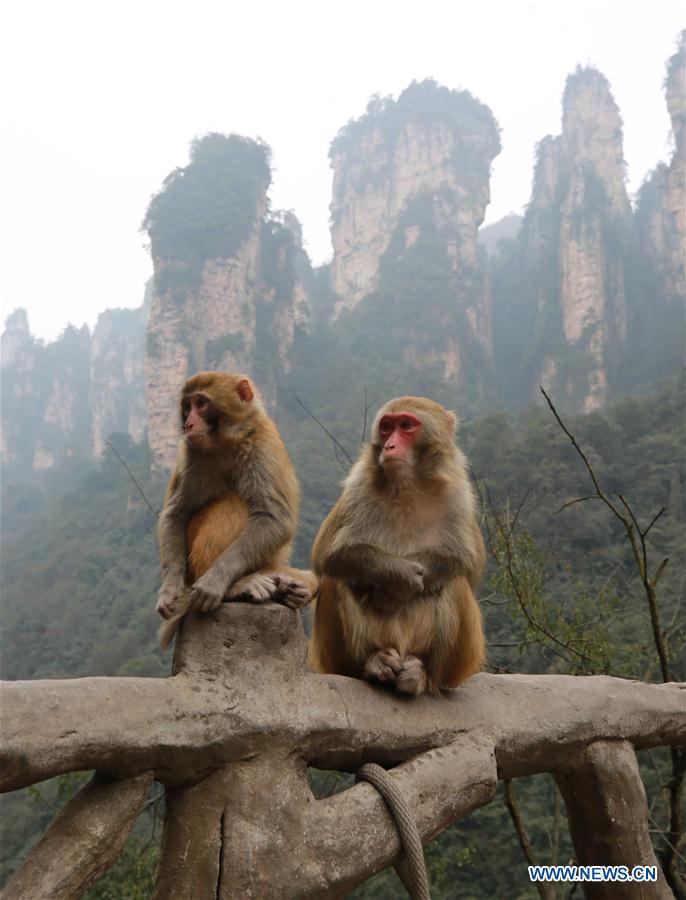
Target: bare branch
571,437
660,572
596,484
325,430
654,520
520,507
577,500
632,528
366,412
152,509
545,890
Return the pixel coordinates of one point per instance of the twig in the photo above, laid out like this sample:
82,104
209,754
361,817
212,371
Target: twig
632,528
324,429
35,791
599,491
654,520
555,843
577,500
546,891
520,507
366,411
152,509
533,622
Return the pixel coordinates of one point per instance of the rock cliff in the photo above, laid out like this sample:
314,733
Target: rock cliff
410,189
567,268
676,176
65,397
431,141
117,374
661,211
226,288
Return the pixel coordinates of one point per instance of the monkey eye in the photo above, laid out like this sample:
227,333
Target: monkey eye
406,424
201,402
386,426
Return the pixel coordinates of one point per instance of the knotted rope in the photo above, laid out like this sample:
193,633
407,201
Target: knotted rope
411,868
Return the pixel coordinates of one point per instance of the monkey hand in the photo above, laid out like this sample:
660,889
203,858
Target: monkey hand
383,665
407,578
412,678
171,598
208,592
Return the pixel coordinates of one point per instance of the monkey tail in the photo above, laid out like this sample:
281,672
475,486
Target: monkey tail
166,632
168,629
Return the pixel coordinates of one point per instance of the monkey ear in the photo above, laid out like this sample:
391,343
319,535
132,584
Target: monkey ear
244,390
453,421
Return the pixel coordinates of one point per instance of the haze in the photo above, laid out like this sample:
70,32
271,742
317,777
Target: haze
104,100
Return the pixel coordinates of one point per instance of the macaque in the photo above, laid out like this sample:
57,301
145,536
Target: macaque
399,557
231,506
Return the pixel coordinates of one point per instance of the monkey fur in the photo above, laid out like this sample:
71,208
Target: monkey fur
231,506
399,558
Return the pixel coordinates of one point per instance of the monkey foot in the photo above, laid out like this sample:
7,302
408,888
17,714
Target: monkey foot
261,587
171,599
257,588
412,678
383,665
291,592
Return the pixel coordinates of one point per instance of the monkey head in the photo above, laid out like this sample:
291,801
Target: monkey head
216,407
409,431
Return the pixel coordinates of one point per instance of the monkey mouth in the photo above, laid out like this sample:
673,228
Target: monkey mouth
392,462
195,437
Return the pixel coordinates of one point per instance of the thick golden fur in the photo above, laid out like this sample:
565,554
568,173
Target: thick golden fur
211,531
384,521
231,506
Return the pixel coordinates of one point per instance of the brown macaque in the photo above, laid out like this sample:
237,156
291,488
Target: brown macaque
231,507
399,558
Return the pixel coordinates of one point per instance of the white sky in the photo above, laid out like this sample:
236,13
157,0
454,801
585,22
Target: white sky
103,98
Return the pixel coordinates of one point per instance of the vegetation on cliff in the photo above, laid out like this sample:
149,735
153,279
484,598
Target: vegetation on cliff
476,136
207,209
426,102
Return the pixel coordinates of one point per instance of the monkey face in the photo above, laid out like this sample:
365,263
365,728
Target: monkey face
217,409
198,418
398,433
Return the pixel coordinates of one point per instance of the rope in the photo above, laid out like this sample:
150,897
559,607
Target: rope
411,868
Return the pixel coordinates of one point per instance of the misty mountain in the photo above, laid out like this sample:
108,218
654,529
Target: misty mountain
584,294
